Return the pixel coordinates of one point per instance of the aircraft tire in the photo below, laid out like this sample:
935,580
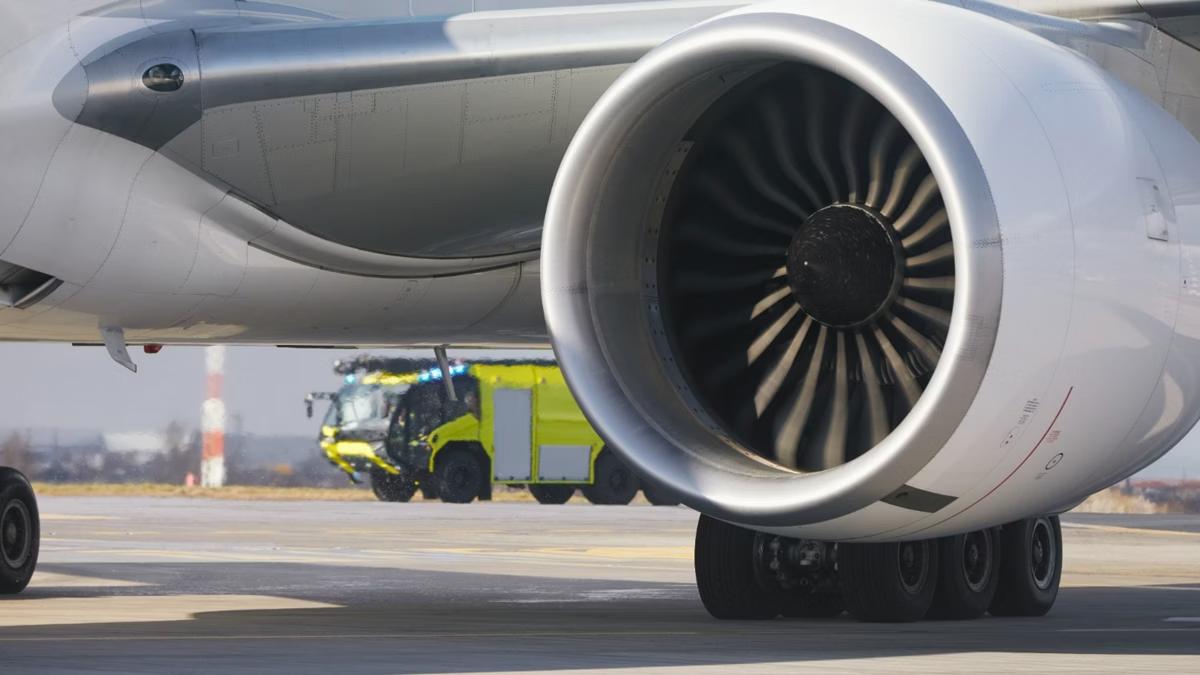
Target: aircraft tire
801,604
969,571
460,474
613,482
725,575
1030,567
20,531
552,494
892,582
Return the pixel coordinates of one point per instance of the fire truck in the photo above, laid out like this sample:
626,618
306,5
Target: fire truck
354,429
510,423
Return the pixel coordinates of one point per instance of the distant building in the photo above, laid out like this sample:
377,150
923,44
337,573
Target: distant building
136,446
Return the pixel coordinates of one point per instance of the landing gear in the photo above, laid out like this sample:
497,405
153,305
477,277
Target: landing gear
1009,571
552,493
1030,568
728,575
389,487
743,574
891,582
969,570
20,531
613,482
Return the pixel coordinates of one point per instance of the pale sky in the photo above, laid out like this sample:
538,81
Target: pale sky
51,385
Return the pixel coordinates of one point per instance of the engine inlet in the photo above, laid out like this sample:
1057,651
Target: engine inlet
807,267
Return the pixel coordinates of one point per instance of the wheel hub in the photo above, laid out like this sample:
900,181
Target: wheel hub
1042,551
977,559
15,543
842,265
913,566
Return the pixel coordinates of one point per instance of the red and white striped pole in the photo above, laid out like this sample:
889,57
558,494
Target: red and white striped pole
212,420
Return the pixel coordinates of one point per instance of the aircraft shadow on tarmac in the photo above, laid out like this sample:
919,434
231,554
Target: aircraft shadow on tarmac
440,621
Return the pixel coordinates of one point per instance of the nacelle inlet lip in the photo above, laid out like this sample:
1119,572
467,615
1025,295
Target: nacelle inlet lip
599,319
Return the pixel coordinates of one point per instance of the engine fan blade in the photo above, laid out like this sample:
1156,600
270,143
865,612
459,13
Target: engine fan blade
936,223
905,168
877,419
850,131
774,379
790,427
781,145
816,137
881,144
926,192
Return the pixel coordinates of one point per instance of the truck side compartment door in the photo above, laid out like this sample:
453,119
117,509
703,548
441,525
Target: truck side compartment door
513,428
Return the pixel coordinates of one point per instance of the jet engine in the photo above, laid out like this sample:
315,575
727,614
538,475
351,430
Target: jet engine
868,271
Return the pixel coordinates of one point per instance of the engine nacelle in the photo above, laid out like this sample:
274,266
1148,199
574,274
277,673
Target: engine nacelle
850,270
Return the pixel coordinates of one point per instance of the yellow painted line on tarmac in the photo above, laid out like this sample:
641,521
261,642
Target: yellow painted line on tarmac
620,552
399,557
584,635
608,552
1132,530
183,555
52,517
188,555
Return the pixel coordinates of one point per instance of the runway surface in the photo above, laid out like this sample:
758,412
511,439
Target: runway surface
178,585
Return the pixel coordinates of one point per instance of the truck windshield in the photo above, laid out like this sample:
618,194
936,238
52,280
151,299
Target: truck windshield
357,404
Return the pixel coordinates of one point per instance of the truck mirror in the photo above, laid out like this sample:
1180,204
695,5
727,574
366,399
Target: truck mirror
308,407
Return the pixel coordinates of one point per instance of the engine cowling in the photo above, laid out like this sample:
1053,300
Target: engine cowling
876,270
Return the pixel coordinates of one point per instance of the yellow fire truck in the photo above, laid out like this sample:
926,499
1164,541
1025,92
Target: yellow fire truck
509,422
354,430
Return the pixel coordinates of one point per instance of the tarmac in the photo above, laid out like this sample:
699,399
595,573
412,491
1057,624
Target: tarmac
167,585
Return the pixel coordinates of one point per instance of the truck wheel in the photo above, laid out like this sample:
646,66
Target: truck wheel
552,494
429,489
390,487
19,531
460,475
613,482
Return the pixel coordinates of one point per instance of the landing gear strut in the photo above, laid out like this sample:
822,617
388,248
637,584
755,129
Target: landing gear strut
20,531
1009,571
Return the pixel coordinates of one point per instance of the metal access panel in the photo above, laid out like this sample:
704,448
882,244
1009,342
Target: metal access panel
512,411
564,462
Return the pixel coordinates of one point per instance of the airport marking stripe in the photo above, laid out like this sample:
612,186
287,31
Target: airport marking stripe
1183,619
585,635
1132,530
1128,630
